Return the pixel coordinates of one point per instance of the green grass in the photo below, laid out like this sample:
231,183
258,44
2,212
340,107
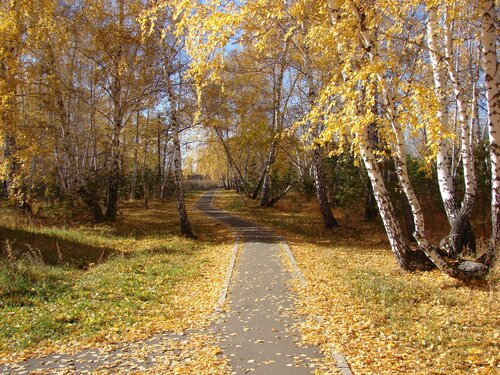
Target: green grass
46,303
148,281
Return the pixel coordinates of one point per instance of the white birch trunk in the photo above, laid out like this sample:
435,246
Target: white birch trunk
443,163
186,229
399,147
466,147
118,116
492,78
405,257
317,159
277,125
133,182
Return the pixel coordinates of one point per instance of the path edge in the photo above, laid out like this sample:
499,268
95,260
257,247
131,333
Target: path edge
229,272
340,361
227,281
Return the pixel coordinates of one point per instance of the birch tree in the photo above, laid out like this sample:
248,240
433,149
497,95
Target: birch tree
163,24
317,150
127,69
458,213
492,78
12,27
367,65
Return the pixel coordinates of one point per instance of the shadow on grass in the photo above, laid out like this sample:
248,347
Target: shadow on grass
52,249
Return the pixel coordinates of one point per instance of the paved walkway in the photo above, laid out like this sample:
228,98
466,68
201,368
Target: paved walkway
257,333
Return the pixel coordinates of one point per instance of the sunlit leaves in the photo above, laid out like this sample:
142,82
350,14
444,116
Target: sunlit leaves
387,322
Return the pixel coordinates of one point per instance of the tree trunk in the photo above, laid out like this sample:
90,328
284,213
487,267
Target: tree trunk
256,191
133,182
398,146
179,194
116,93
230,159
277,126
12,164
317,158
492,78
320,187
446,188
159,159
91,198
70,174
460,231
186,229
114,172
265,196
8,115
464,270
145,187
281,196
408,260
90,193
223,179
166,165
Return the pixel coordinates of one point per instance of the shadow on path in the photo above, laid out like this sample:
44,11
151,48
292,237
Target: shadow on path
246,231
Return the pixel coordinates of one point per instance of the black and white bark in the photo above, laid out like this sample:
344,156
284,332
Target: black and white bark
492,79
461,233
407,259
265,197
458,213
317,154
168,71
135,161
398,145
117,122
277,124
179,193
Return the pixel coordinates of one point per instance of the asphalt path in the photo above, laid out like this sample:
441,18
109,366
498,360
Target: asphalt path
258,332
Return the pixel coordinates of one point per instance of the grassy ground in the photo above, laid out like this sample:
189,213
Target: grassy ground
384,320
68,284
